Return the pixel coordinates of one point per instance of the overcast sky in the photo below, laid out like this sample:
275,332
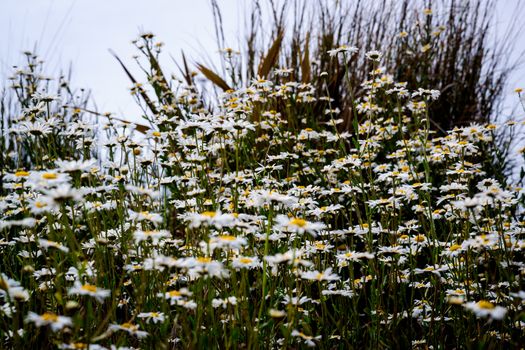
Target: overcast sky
82,31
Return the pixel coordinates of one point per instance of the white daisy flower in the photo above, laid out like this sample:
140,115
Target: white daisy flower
154,235
484,308
128,327
246,262
154,317
298,225
344,49
90,290
45,244
227,241
307,339
326,275
374,55
56,322
145,216
211,218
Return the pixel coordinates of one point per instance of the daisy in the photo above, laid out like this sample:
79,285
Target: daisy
353,256
174,296
307,339
12,289
37,128
211,218
75,165
374,55
128,327
344,49
26,222
39,206
227,241
61,194
205,266
298,225
45,244
46,179
154,235
246,262
261,198
224,302
145,216
49,319
484,308
327,275
154,317
18,176
88,289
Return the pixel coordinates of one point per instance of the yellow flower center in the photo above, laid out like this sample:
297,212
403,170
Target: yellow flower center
209,214
483,304
420,238
203,260
89,288
245,260
49,316
298,222
129,325
49,176
454,247
174,293
22,173
227,238
156,134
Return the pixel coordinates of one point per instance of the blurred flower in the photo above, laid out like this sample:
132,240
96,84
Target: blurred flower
298,225
344,49
154,317
49,319
374,55
484,308
90,290
129,328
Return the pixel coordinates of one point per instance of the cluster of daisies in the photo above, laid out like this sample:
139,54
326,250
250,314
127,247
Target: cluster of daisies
257,224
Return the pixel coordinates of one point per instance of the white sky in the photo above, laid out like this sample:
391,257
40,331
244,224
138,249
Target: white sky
82,31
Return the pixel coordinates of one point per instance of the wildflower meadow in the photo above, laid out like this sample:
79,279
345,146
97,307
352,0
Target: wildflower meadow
266,211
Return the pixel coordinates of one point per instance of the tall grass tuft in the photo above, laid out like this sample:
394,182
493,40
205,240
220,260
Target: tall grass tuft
446,45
